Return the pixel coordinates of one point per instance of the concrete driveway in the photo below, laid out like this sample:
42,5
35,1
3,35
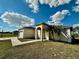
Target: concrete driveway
16,42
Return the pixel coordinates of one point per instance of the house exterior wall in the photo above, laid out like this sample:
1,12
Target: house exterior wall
42,33
69,34
66,38
65,35
38,32
45,32
54,36
47,35
27,33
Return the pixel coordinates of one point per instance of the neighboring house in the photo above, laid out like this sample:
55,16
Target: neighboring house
27,32
44,31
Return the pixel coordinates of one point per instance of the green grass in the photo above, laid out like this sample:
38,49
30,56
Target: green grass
4,46
76,36
7,35
41,50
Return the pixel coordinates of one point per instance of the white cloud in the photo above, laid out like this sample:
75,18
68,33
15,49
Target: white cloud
54,23
16,19
52,3
76,8
58,16
33,4
56,3
77,2
75,25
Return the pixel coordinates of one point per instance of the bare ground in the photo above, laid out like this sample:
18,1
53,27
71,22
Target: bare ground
42,50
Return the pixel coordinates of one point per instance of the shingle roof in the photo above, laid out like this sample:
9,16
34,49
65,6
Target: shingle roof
43,23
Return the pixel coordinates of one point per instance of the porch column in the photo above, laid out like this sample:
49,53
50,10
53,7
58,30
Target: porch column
36,34
42,34
69,35
48,35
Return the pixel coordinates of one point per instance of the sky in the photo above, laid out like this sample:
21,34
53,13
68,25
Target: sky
15,14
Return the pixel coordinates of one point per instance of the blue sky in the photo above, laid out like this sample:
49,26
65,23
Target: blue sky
43,15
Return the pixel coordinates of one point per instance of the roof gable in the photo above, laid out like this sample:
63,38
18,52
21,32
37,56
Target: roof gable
43,23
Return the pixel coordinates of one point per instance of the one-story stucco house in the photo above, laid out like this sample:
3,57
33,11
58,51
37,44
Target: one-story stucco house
44,31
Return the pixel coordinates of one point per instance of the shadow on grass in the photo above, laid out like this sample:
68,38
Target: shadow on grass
23,40
74,41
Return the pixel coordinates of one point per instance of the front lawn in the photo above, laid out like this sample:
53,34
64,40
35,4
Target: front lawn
4,46
42,50
7,35
76,36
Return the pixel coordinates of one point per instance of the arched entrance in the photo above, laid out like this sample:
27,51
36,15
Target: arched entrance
39,33
42,32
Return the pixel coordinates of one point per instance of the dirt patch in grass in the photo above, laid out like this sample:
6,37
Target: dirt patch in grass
43,50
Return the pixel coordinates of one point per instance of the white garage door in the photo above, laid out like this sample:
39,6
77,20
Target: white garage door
21,34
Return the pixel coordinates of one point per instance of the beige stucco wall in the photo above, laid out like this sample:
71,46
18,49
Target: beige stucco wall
27,33
46,32
42,33
54,36
68,34
61,37
47,35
